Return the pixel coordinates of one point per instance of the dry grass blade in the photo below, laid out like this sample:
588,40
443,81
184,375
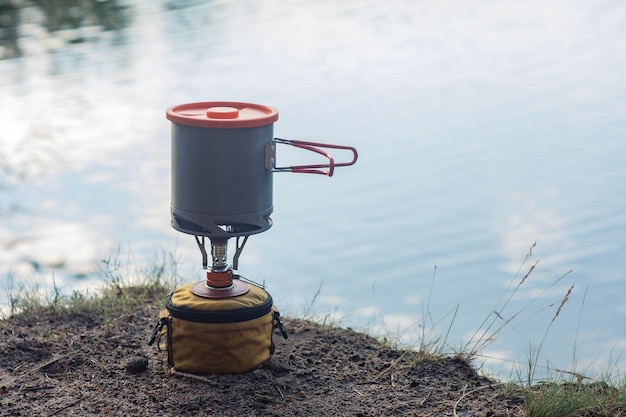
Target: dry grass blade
558,311
486,338
482,340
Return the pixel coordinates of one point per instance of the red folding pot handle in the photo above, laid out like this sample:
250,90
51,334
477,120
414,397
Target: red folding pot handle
323,169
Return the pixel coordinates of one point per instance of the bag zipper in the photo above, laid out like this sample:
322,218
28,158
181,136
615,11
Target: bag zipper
277,324
161,323
218,316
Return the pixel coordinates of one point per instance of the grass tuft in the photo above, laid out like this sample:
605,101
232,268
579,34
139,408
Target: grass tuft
123,289
574,399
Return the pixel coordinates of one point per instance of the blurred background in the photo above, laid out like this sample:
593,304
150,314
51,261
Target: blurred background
482,128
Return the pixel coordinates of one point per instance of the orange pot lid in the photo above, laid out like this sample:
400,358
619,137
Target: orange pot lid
222,114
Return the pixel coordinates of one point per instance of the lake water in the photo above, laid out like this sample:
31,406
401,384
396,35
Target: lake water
481,128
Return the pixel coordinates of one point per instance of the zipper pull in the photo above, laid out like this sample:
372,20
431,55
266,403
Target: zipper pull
279,324
162,323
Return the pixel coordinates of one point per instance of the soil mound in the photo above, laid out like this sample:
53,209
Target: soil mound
76,364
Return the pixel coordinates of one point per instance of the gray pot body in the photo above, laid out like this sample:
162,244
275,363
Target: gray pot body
220,185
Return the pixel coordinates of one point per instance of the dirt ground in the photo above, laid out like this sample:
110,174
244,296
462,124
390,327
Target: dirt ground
68,364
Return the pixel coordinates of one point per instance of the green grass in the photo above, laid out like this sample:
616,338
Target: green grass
122,289
569,399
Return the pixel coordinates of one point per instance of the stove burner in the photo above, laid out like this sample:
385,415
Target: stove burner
237,287
220,280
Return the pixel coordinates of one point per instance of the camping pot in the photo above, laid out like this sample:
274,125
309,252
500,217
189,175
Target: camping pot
223,158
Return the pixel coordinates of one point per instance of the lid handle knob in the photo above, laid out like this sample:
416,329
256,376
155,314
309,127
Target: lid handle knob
222,112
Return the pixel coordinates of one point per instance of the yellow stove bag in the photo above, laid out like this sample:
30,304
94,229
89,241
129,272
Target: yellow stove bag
217,336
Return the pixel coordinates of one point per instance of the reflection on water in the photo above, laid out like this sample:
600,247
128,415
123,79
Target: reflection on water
481,128
9,22
73,14
71,21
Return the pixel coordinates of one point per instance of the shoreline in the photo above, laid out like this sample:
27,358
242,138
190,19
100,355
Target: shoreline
58,361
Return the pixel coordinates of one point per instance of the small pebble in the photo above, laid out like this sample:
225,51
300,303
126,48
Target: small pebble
136,365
